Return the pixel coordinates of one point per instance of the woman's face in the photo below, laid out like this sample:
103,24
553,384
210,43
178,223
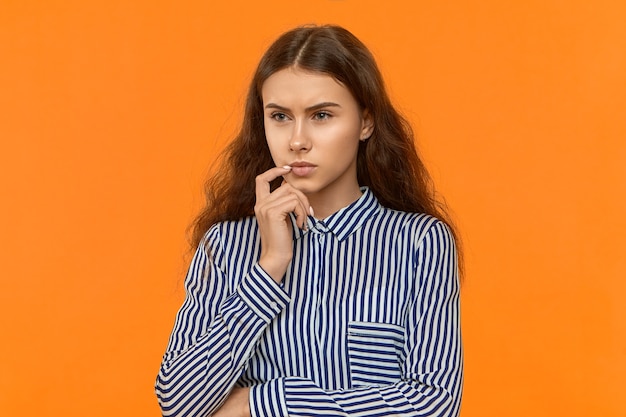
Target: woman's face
314,124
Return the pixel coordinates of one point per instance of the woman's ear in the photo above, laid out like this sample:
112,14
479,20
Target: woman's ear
367,125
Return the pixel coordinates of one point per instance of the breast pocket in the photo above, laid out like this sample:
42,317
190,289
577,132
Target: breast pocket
375,352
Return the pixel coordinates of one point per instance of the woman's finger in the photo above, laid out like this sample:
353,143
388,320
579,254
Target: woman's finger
304,209
263,180
280,205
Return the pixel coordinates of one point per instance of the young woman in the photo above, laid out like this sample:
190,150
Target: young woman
325,280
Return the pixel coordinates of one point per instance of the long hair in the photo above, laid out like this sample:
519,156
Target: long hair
387,162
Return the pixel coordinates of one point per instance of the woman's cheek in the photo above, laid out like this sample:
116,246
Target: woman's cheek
339,136
276,137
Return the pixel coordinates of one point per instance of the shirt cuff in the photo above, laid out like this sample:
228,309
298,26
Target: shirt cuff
262,294
268,399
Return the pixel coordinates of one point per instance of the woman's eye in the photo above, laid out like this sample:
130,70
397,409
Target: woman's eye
279,117
322,115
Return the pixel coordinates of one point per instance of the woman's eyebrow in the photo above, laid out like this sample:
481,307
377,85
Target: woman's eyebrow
308,109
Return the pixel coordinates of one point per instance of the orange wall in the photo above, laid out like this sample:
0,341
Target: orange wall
110,112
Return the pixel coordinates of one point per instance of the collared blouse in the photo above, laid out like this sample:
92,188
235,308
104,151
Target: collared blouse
364,323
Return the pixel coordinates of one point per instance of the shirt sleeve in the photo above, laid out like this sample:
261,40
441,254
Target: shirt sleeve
432,373
215,332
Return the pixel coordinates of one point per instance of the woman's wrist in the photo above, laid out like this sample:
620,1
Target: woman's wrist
275,268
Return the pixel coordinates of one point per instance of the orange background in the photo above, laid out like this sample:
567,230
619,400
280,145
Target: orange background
110,112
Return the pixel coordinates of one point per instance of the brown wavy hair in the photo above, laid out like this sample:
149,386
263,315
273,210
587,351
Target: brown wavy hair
388,162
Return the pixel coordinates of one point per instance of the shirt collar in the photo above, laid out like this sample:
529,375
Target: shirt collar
343,222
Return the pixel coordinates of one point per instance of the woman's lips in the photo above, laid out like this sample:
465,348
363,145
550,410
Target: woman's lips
302,169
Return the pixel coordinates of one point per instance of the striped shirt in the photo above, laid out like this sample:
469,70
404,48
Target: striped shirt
364,323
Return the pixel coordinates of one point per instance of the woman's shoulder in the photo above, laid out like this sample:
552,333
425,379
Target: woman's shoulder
230,230
409,219
418,225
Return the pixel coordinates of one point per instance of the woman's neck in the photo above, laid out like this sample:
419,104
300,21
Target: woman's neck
325,204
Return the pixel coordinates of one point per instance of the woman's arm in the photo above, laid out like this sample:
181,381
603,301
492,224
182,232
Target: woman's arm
215,333
431,383
217,328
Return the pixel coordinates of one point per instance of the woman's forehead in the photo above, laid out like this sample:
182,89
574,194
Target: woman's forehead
294,85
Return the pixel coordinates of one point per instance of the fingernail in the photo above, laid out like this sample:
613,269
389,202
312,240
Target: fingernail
287,167
311,210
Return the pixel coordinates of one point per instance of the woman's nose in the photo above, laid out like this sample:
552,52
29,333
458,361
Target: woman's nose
299,140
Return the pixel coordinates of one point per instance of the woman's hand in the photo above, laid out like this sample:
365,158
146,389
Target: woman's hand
236,405
272,212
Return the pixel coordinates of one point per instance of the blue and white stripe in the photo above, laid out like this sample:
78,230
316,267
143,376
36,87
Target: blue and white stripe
365,323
